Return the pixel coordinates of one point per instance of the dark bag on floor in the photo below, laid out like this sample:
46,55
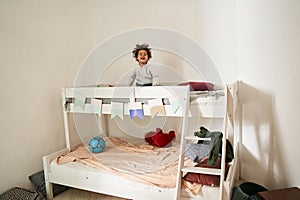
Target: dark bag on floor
247,191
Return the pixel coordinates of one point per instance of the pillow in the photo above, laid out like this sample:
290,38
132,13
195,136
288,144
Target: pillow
206,179
21,194
38,181
198,86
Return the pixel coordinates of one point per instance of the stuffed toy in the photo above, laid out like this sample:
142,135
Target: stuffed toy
158,138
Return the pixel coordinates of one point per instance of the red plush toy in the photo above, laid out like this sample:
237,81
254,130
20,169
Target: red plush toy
159,138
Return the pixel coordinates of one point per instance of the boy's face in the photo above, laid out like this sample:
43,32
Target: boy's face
142,57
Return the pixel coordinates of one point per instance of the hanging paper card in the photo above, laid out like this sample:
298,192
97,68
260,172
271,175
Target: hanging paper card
156,106
117,109
135,110
96,106
175,104
79,100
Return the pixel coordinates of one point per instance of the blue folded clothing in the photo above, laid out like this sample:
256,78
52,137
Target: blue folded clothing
196,152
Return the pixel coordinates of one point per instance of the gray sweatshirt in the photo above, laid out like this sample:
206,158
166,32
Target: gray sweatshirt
143,75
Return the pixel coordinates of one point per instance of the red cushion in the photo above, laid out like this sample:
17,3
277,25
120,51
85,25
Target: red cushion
199,86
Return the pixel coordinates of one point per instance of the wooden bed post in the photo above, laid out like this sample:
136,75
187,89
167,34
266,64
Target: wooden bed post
48,185
185,113
233,117
225,134
66,122
238,124
104,122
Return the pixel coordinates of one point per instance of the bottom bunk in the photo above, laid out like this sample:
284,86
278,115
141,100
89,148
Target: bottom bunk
79,169
134,168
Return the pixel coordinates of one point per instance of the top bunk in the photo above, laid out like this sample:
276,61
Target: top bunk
166,100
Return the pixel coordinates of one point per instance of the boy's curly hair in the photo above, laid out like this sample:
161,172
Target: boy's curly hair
139,47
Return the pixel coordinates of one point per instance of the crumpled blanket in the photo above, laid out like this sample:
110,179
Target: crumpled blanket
143,163
193,188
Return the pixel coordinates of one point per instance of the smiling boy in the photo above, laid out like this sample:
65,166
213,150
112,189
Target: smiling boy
143,74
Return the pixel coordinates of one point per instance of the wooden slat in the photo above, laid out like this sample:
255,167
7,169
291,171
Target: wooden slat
101,92
202,170
207,112
106,109
197,138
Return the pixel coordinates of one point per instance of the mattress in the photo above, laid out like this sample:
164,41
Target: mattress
143,163
78,169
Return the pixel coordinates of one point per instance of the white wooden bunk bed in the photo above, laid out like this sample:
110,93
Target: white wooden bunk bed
84,176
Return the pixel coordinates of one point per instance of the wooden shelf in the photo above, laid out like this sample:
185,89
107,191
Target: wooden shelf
196,138
202,170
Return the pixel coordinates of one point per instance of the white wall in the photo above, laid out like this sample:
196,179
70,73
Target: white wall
43,44
268,61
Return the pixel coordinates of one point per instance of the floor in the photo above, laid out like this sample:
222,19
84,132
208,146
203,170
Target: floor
76,194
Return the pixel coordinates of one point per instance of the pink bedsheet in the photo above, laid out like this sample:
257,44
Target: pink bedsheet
143,163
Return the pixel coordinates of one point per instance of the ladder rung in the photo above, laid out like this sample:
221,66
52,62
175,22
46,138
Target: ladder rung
197,138
202,170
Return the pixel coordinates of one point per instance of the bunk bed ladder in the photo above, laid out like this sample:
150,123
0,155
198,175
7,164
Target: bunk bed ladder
227,118
220,172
